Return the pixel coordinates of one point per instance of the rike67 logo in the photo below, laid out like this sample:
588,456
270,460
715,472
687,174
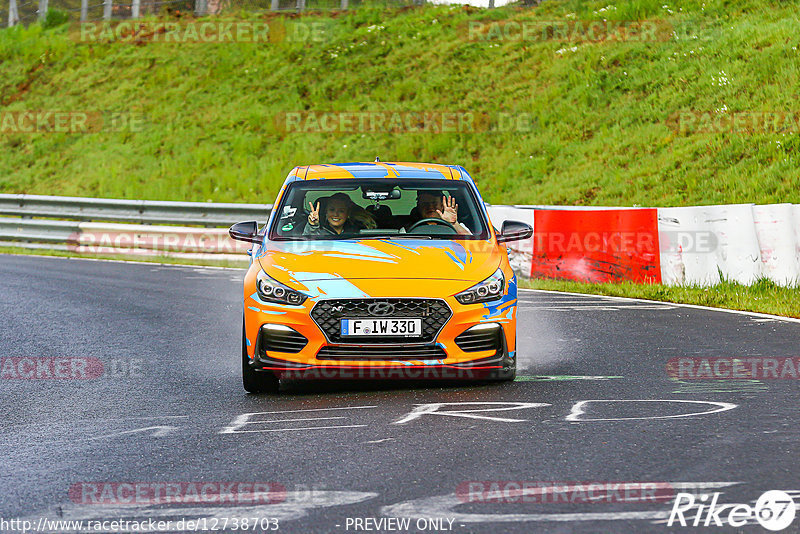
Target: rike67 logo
774,510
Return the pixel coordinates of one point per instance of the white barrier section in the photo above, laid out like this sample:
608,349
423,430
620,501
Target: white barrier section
796,217
682,261
739,253
520,253
699,242
777,238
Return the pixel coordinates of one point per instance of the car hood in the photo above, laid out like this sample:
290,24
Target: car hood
313,266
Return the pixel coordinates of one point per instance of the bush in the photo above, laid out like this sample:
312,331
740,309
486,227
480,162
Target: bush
55,17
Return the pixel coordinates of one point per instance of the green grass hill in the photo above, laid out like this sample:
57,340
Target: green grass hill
594,120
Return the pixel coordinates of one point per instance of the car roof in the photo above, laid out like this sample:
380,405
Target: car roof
378,169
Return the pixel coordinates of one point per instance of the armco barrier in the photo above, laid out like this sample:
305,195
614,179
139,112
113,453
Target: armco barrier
131,211
15,229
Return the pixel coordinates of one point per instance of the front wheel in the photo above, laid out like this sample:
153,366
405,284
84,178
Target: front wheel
507,374
509,371
256,381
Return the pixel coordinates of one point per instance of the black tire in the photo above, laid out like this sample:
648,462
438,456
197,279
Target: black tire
509,371
508,375
256,381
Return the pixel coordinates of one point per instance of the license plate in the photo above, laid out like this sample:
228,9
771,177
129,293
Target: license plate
382,327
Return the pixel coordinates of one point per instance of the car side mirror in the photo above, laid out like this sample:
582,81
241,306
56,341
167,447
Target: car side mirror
514,231
245,231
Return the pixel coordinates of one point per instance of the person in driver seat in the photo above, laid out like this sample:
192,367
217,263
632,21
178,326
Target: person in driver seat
435,205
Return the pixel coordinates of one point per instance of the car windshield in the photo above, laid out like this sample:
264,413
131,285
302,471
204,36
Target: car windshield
395,209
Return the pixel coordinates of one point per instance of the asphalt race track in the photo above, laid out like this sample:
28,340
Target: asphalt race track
593,402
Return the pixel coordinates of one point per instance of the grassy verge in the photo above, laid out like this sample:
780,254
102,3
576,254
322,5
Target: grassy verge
139,258
764,296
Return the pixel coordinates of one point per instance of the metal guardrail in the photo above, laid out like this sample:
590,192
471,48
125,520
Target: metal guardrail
37,230
130,211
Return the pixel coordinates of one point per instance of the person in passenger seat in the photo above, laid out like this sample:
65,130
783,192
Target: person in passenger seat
342,216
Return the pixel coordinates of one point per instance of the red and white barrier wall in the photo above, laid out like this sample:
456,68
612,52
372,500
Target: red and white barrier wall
674,246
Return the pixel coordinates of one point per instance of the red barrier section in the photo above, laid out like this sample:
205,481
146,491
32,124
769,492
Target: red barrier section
596,245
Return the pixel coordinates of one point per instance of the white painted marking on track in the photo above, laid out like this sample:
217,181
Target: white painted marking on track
302,419
578,409
560,378
564,301
597,308
444,506
379,440
298,428
318,409
141,417
159,431
433,409
241,420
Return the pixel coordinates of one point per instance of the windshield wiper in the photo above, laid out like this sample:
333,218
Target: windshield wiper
393,236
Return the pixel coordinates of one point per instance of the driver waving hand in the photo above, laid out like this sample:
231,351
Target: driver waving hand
434,205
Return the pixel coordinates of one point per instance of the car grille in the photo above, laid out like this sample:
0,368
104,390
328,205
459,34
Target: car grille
477,340
290,341
329,313
377,352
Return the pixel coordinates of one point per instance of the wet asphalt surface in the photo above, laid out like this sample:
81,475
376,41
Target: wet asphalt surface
593,402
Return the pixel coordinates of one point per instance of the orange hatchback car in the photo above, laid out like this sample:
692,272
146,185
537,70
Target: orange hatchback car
378,270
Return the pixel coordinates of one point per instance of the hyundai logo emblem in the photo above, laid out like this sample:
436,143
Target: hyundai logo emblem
381,309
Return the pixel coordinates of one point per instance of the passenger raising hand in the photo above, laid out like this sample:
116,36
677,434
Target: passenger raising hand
313,216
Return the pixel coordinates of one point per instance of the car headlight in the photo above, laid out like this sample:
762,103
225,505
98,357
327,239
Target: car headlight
489,289
270,290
